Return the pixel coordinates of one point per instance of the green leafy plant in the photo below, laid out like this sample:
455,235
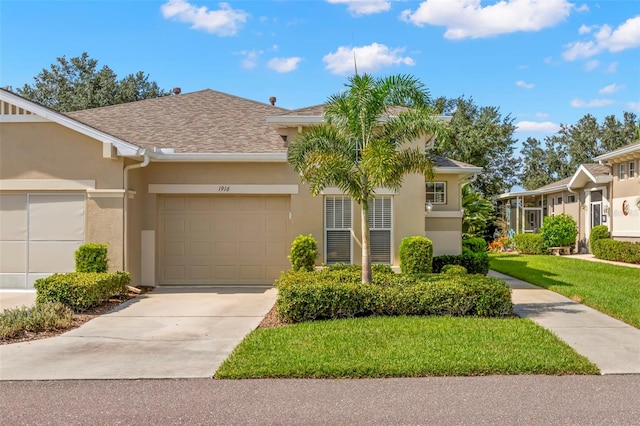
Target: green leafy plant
617,251
476,245
453,270
598,233
91,257
474,263
40,317
559,231
304,250
529,243
416,255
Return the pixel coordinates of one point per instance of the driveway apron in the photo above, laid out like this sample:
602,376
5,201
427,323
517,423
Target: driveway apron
167,333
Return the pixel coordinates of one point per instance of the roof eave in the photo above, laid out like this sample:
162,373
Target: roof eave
221,157
635,147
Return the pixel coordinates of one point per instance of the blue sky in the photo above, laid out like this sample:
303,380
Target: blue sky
545,62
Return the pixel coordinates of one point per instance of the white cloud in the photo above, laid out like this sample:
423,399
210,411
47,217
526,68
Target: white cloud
537,127
524,84
542,115
250,58
582,8
612,88
364,7
369,58
468,19
593,103
613,67
591,65
634,106
626,36
584,29
284,64
223,22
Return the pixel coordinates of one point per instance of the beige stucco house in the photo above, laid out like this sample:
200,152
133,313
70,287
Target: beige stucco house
604,193
191,189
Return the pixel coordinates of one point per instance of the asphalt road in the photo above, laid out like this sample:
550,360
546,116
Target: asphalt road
504,400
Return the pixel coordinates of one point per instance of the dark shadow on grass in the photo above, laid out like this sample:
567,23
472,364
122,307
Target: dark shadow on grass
515,266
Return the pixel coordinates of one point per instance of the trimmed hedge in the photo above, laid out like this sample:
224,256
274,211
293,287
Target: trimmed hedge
309,296
91,257
474,263
476,245
304,250
559,231
598,233
416,255
375,268
529,243
454,270
617,251
81,290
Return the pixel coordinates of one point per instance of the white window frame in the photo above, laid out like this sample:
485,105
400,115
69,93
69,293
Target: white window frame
435,193
327,228
622,171
632,169
385,225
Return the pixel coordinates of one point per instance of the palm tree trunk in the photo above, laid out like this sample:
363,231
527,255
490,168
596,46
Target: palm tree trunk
366,250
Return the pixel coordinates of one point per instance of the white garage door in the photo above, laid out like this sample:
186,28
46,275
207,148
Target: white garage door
39,234
223,239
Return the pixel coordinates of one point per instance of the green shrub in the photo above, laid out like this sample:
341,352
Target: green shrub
416,255
598,233
40,317
308,296
453,270
91,257
380,268
559,231
375,268
529,243
476,245
617,251
304,250
474,263
81,290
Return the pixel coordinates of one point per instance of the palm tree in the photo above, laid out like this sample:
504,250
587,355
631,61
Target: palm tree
478,212
361,144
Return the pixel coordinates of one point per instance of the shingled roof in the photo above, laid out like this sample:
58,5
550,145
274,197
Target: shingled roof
595,170
199,122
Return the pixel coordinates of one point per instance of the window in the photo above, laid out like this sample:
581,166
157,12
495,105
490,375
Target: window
632,170
571,199
621,171
380,229
337,224
559,200
436,192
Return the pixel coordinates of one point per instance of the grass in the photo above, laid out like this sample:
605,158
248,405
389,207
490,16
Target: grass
611,289
403,347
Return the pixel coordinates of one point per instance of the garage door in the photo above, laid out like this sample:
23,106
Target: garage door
39,234
223,239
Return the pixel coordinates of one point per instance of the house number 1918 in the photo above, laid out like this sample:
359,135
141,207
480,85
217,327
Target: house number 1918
224,188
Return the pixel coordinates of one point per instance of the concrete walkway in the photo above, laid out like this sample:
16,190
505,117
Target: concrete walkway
610,344
167,333
592,258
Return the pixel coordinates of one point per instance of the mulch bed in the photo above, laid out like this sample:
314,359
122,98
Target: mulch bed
272,320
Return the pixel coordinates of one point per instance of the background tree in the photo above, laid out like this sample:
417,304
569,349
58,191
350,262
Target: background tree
535,167
77,83
362,144
478,213
482,137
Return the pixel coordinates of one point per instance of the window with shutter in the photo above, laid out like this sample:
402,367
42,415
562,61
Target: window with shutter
380,229
337,224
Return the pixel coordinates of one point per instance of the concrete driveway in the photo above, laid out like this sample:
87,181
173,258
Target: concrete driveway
167,333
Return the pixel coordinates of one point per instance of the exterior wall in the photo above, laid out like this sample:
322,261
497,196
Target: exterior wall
443,225
625,208
50,151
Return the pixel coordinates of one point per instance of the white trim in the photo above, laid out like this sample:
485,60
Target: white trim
46,185
332,190
22,118
148,257
435,193
444,214
625,234
221,188
635,147
222,157
105,193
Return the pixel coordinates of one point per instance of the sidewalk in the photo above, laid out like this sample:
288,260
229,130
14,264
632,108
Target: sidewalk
592,258
610,344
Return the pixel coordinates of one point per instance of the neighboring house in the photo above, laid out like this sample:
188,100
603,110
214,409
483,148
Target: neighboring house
190,189
594,195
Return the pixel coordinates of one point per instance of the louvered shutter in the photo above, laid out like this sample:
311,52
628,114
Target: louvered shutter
338,230
380,229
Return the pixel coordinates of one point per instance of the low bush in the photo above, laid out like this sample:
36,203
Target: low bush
416,255
598,233
617,251
529,243
375,268
476,245
453,270
559,231
304,250
91,257
81,290
308,296
40,317
474,263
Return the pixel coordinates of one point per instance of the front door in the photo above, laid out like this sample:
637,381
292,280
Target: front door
596,208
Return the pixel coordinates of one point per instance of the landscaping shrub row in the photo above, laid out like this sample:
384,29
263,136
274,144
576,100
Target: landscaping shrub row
308,296
40,317
529,243
617,251
81,290
474,263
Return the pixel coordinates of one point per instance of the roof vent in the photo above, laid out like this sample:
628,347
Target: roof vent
176,90
272,99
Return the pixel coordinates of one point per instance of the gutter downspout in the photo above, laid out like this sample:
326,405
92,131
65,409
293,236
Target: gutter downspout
125,178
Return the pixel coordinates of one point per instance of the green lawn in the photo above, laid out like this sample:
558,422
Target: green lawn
611,289
403,347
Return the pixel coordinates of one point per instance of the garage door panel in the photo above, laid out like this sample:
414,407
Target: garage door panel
174,226
13,217
13,256
251,272
275,226
56,217
200,225
173,273
199,203
202,249
52,256
277,204
225,204
173,248
199,273
225,249
252,249
173,204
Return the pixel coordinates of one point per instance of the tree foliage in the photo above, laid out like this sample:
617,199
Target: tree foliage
478,213
483,137
77,83
362,145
